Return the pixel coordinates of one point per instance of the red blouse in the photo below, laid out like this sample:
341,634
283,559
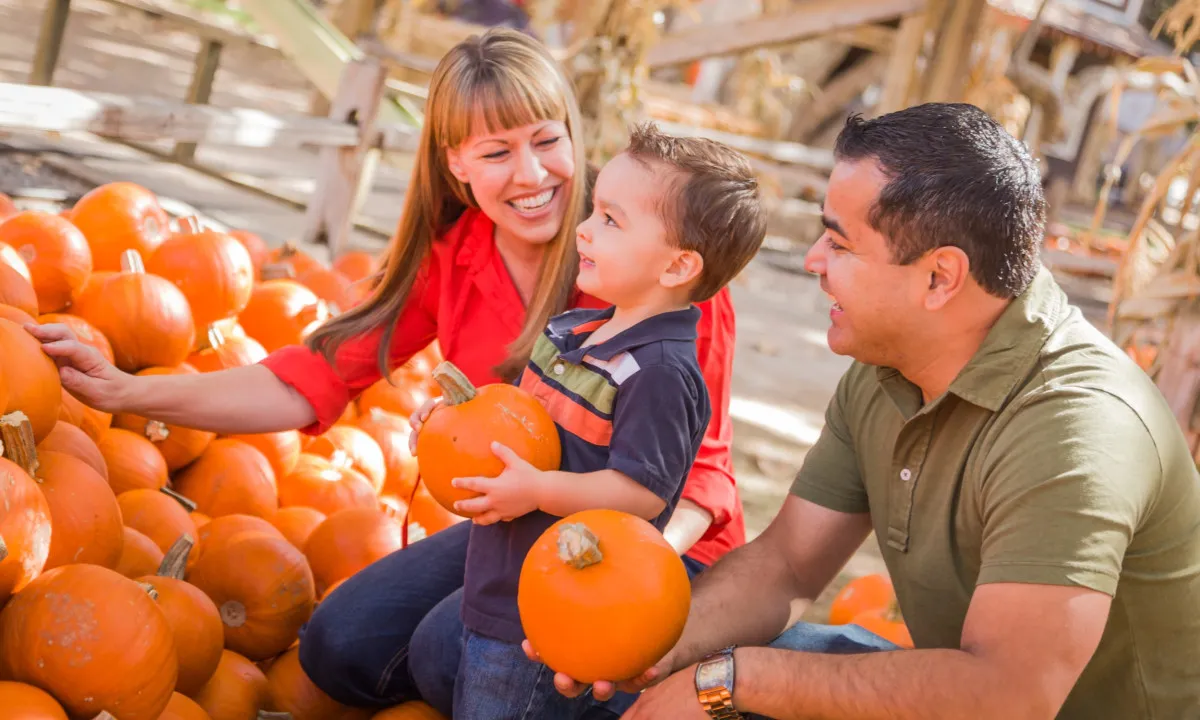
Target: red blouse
466,300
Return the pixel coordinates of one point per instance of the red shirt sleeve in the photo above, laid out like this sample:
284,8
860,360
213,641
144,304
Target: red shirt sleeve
329,388
710,483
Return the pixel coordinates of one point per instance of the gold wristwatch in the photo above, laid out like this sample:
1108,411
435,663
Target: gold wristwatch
714,685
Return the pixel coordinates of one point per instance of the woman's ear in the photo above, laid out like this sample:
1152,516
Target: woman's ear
454,162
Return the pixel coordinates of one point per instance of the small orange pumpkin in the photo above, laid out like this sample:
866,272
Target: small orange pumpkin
33,384
10,257
85,516
117,217
231,477
297,523
161,515
223,352
403,399
84,331
282,312
7,209
258,249
90,420
348,541
139,555
887,623
287,260
94,640
236,691
66,438
360,448
133,461
281,449
214,271
179,445
331,286
56,253
16,289
602,596
25,530
182,707
456,440
391,432
291,691
413,710
26,702
16,315
326,486
356,264
866,592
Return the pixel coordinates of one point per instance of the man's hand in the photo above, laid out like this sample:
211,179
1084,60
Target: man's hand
511,494
604,690
674,697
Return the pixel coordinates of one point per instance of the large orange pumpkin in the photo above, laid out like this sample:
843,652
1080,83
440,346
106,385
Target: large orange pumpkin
236,691
178,445
90,420
291,691
214,271
32,379
117,217
282,312
93,639
84,331
258,249
161,515
317,483
16,289
221,530
56,253
146,319
223,353
10,257
391,432
231,477
194,619
25,527
414,710
26,702
66,438
12,314
348,541
133,461
297,524
602,596
360,448
262,586
182,707
281,449
85,516
456,440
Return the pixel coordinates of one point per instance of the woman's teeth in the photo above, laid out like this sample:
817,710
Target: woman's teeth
533,202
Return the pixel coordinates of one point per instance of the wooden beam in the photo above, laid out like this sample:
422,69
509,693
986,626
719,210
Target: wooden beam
788,153
947,73
902,65
876,38
146,118
206,26
203,77
814,17
54,27
837,94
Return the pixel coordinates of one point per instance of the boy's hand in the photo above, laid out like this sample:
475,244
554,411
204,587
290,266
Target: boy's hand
418,418
511,494
603,690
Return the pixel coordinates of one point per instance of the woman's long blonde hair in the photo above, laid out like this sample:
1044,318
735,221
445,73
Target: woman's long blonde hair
507,79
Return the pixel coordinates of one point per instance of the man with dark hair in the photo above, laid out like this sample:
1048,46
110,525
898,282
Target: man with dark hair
1033,496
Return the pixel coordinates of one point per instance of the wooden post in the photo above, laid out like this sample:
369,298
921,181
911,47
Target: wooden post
201,90
345,173
54,26
902,66
947,74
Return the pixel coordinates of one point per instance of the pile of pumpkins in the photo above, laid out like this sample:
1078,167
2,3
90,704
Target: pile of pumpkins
870,602
152,571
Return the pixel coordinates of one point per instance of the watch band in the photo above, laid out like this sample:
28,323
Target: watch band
719,705
717,698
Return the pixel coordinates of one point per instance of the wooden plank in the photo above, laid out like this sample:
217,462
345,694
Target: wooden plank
902,67
815,17
205,26
837,94
947,73
54,26
788,153
345,172
877,38
203,77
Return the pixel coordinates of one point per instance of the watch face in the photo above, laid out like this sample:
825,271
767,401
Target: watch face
710,675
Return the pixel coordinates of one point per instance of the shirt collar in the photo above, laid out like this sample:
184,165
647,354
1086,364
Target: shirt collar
1010,348
569,331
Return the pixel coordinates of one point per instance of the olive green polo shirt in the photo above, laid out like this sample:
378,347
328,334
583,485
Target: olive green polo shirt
1052,459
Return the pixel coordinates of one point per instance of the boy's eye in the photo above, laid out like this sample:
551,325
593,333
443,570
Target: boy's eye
608,220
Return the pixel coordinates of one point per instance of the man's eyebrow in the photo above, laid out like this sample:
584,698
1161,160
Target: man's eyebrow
833,225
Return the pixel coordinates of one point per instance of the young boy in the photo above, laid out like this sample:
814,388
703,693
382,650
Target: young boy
674,220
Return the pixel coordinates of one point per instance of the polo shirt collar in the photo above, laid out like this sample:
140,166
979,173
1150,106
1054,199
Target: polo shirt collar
1009,350
569,331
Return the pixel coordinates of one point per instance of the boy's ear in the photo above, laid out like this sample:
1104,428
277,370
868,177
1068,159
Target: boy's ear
685,268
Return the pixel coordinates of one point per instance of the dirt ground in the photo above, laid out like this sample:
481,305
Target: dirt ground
784,372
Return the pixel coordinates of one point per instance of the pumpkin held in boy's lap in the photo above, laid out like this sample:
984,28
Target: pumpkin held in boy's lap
602,596
456,440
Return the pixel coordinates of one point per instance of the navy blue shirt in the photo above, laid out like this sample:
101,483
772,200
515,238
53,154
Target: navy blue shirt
635,403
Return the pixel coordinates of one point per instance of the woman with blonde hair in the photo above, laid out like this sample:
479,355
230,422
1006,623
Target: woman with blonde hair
483,256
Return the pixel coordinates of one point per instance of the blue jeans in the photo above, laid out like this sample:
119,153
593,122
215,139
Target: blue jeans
445,675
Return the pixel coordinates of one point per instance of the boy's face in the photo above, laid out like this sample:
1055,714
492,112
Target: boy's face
625,255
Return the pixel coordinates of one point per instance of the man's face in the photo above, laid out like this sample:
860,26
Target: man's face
876,302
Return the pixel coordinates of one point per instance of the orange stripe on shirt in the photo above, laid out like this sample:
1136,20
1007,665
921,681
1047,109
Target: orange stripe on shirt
570,415
588,326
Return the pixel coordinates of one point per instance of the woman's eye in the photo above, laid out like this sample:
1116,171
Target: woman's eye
496,155
548,142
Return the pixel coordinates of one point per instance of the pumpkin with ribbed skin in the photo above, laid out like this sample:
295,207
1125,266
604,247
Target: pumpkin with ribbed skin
160,515
290,690
282,312
117,217
318,483
220,530
224,352
348,541
231,477
262,587
16,289
32,379
415,710
182,707
90,420
139,555
93,639
360,448
25,527
194,620
68,439
297,523
236,690
26,702
146,319
84,514
391,432
602,596
84,331
133,461
178,445
456,440
281,449
214,271
56,253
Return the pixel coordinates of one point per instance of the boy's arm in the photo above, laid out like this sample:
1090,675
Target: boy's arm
562,493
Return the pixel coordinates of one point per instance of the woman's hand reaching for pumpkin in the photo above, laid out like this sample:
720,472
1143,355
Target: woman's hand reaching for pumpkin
84,372
418,418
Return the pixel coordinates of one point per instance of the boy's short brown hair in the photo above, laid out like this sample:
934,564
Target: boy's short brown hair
712,208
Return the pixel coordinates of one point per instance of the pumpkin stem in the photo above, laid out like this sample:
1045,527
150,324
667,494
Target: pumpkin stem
189,225
17,443
456,388
131,262
104,715
175,561
3,549
276,271
578,546
156,431
149,590
187,503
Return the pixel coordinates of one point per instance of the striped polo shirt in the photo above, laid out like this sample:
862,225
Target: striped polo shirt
635,403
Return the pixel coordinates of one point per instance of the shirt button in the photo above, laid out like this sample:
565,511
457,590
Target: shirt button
906,474
559,369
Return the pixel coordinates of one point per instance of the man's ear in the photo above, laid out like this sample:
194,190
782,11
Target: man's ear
949,270
684,268
454,162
